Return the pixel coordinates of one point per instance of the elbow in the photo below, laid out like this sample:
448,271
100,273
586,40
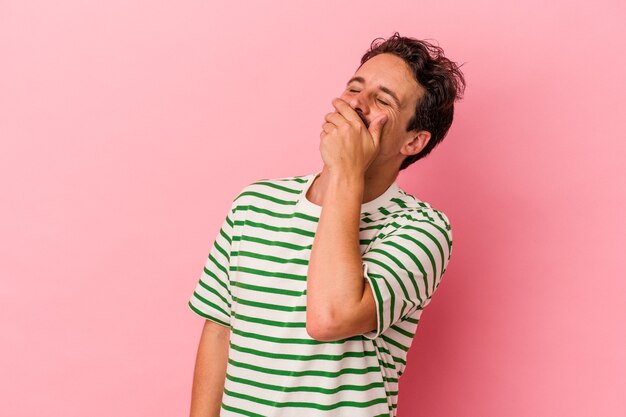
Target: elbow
319,333
320,329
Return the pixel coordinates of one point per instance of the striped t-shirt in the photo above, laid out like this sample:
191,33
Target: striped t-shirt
254,281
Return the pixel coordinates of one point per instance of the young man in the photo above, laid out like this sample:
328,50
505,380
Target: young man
315,284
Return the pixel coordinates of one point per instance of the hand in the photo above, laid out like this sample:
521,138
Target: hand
345,143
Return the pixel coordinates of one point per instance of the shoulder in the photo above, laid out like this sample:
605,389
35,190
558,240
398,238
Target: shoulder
412,214
276,189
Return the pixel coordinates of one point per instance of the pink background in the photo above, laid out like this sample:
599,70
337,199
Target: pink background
128,127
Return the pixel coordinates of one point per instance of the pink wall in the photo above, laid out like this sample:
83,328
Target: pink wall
127,127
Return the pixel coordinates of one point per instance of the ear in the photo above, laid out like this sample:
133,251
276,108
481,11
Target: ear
417,142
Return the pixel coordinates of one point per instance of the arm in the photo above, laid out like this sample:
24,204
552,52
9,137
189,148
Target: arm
210,370
339,302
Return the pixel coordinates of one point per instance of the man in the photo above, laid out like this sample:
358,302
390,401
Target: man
315,284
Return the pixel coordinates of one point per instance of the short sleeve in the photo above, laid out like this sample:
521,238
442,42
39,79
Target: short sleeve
211,298
405,267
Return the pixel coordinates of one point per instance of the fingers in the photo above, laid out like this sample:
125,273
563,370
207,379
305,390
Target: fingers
332,121
335,118
328,127
346,111
343,114
377,127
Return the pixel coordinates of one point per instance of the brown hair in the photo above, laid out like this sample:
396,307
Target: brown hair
441,78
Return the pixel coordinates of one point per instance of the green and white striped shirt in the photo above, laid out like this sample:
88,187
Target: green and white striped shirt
254,281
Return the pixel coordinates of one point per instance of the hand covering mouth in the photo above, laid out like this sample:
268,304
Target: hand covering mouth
367,124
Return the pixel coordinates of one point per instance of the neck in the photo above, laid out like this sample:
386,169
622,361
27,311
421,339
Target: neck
376,183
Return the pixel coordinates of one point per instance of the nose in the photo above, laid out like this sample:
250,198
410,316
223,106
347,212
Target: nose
358,103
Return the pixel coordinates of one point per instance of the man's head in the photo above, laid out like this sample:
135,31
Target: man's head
413,83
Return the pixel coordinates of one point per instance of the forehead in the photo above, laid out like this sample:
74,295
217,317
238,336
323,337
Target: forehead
390,71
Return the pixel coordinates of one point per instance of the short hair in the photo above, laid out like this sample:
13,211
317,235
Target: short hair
441,79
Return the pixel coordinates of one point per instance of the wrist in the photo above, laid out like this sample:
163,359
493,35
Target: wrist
347,181
346,176
346,188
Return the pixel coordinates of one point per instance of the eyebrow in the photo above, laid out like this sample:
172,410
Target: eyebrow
380,87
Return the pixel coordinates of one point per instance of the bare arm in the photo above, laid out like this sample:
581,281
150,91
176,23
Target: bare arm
210,371
339,301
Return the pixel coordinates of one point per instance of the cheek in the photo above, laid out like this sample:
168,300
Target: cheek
393,122
392,132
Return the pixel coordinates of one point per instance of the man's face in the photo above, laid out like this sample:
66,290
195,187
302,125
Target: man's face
384,84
